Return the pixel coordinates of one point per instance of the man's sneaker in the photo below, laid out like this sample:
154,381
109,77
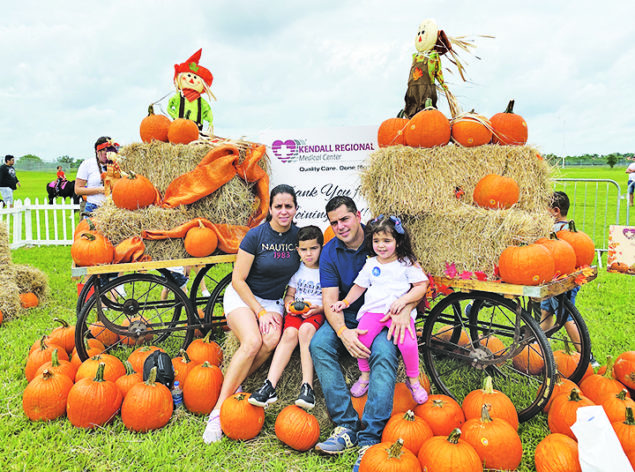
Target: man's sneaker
213,431
418,392
264,395
360,454
593,361
341,440
306,399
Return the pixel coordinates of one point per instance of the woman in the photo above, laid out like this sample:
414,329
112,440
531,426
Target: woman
89,181
266,260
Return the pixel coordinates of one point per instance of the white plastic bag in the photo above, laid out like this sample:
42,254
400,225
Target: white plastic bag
598,447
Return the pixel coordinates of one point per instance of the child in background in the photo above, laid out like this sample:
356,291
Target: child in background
559,209
61,177
392,279
304,286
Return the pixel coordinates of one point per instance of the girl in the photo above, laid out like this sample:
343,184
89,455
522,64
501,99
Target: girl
392,279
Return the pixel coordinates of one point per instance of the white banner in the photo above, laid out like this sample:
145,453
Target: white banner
320,164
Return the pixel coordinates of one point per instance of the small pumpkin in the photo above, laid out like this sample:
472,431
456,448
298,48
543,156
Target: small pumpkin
500,404
133,192
239,419
299,307
328,234
85,224
57,366
182,131
202,388
103,334
625,431
471,129
601,387
391,132
526,265
442,413
359,403
624,369
44,398
29,300
92,350
437,452
42,355
182,366
428,128
557,453
582,244
139,356
448,334
615,406
126,382
154,127
562,413
496,191
92,248
201,350
63,335
414,431
147,406
494,345
297,428
113,367
389,456
562,385
563,255
567,361
530,360
509,128
200,241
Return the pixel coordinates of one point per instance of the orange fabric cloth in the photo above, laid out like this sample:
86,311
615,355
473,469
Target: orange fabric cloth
229,236
131,250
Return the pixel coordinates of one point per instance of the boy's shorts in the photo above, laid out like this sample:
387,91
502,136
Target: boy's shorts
631,186
295,321
550,305
232,301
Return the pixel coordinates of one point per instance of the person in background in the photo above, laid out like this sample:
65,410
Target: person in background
8,180
89,179
61,177
630,170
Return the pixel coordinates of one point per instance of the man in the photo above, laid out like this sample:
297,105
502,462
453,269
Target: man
8,180
340,262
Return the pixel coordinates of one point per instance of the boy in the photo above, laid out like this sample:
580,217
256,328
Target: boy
559,209
304,286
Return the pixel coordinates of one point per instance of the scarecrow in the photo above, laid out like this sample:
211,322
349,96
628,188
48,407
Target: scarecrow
192,81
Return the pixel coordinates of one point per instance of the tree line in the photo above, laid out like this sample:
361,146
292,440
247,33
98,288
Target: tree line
32,162
613,159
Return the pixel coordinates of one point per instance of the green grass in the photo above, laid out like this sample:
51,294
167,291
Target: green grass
605,303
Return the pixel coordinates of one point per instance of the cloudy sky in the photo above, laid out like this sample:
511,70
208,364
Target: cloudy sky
75,70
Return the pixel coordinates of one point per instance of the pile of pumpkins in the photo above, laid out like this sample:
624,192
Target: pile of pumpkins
430,128
161,128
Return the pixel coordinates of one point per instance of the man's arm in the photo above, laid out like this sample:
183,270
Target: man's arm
349,337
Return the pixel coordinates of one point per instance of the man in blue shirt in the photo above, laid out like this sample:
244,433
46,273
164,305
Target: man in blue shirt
340,262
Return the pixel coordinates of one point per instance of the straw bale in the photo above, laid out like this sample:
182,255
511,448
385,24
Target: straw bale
30,279
9,292
413,181
472,238
5,251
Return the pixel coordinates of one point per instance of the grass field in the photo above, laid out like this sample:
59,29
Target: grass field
606,304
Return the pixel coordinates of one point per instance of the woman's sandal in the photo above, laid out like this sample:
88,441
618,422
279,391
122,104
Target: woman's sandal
359,388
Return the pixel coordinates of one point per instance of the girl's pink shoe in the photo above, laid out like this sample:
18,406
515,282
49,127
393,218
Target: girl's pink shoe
359,388
418,392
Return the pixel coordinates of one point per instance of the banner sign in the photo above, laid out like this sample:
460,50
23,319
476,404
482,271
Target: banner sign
319,164
621,252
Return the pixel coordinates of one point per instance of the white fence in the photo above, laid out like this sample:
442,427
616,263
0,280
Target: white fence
40,224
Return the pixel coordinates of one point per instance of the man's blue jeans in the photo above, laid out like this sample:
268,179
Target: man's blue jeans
326,351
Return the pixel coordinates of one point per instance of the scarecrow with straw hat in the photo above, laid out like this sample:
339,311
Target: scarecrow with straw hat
192,81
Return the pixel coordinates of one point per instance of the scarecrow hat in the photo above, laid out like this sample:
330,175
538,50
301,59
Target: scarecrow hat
191,65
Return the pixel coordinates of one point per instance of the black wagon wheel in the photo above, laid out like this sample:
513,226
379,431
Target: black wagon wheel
470,336
208,276
569,323
136,310
214,311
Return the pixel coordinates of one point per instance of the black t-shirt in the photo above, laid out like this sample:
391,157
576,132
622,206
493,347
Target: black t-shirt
276,259
8,177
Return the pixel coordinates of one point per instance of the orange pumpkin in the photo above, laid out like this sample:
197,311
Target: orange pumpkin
29,300
582,244
202,388
470,130
182,366
414,431
138,357
113,367
389,455
391,132
530,360
526,265
147,406
601,387
358,404
133,192
402,399
86,224
564,258
182,131
509,128
42,355
624,369
562,385
428,128
63,335
44,398
239,419
625,431
125,382
557,453
567,362
495,191
442,413
202,350
448,454
500,404
328,234
494,345
200,241
103,334
92,248
615,406
57,366
297,428
448,333
562,413
154,127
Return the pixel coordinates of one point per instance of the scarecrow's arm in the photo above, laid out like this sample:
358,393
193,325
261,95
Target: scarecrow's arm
434,70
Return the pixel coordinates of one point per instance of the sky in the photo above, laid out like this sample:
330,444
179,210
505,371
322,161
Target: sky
76,70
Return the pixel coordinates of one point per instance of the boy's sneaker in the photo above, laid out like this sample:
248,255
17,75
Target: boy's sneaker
213,431
360,454
418,392
593,361
341,440
306,399
264,395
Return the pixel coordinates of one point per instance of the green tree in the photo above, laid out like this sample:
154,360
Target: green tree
29,162
68,162
611,160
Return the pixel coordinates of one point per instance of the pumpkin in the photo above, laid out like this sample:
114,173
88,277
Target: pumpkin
92,350
601,387
563,255
40,356
624,369
567,361
201,350
182,131
44,398
496,191
126,382
139,356
442,413
557,453
625,431
328,234
200,241
562,413
500,404
414,431
441,454
37,344
133,192
615,406
526,265
239,419
93,402
358,404
92,248
582,244
530,360
495,441
63,335
509,128
448,333
299,307
391,132
29,300
154,127
57,366
85,224
103,334
389,456
494,345
402,399
91,344
113,367
147,406
136,327
182,366
562,385
202,388
471,129
297,428
428,128
1,318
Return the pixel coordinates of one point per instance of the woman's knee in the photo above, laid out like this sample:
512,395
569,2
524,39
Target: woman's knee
271,339
251,345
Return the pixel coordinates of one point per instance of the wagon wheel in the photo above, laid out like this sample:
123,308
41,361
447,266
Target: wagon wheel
139,318
214,312
559,336
210,275
459,362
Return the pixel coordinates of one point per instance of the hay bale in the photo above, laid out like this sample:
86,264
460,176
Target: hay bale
30,279
9,292
402,180
5,251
